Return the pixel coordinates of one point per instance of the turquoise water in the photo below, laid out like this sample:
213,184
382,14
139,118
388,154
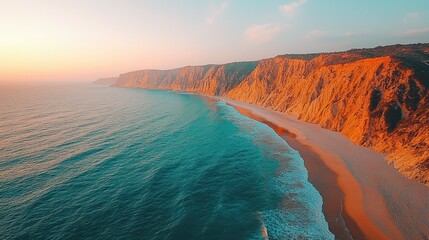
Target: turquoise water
95,162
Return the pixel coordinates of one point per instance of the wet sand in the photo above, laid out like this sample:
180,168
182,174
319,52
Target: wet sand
364,197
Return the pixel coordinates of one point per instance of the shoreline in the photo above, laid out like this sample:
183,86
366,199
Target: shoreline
363,196
322,178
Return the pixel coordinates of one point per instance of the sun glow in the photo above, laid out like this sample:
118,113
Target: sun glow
86,39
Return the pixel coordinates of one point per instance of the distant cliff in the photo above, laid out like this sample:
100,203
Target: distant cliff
377,97
106,81
207,79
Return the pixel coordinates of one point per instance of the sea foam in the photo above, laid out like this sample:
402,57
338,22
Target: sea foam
90,162
299,215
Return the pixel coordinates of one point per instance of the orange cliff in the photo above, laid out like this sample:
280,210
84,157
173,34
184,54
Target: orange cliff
377,97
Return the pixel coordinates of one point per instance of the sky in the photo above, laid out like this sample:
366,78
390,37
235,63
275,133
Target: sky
75,40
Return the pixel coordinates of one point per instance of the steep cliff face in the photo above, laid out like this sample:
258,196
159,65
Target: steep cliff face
377,97
376,102
207,79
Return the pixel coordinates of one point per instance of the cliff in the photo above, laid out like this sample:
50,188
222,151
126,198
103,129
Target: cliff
377,97
207,79
106,81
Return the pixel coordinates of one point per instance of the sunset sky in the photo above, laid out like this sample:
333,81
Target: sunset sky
86,39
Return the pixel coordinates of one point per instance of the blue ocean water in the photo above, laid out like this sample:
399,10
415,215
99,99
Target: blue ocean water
95,162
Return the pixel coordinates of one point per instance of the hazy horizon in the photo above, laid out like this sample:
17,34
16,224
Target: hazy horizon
85,40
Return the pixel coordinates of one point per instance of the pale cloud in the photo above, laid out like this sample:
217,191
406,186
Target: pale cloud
415,32
290,8
411,17
317,34
216,11
262,33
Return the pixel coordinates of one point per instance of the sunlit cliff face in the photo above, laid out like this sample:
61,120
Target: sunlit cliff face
376,97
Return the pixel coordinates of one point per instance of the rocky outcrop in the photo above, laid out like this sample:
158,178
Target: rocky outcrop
106,81
377,97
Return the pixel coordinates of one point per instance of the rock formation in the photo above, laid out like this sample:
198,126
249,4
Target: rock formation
377,97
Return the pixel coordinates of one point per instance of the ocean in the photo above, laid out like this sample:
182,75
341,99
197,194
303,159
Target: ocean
93,162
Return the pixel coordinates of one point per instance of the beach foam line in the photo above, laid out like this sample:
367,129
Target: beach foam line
381,202
299,215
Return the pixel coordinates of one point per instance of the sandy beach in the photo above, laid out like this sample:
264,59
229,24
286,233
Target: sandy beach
364,197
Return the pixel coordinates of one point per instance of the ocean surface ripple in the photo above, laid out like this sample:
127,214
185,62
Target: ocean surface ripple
95,162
